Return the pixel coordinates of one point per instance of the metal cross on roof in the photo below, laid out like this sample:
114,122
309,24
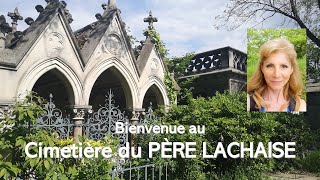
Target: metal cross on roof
112,4
150,19
15,16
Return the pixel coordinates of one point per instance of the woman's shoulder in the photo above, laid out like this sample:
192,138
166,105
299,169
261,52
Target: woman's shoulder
303,106
250,102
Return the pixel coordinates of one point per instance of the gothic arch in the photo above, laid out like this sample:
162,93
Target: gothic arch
36,71
127,80
159,87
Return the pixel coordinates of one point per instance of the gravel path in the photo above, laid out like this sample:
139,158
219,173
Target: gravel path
289,176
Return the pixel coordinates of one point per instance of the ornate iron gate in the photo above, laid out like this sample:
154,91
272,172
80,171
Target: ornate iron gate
96,125
53,120
103,122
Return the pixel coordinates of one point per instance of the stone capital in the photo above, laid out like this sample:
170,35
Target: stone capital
80,111
136,113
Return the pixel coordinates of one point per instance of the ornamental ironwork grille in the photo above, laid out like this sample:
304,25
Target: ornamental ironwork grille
103,122
149,117
53,120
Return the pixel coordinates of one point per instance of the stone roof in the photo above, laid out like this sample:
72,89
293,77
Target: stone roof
85,39
144,54
95,31
16,49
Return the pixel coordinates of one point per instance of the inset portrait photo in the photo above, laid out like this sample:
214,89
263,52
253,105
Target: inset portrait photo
276,70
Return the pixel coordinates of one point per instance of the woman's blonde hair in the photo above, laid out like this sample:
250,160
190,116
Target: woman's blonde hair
257,84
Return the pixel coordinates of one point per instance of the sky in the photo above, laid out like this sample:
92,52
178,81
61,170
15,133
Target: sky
184,25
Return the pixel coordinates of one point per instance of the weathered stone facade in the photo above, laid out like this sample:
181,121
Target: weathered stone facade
217,70
48,55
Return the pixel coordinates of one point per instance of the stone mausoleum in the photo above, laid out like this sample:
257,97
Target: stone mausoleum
78,67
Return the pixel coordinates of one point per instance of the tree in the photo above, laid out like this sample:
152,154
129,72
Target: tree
313,58
304,13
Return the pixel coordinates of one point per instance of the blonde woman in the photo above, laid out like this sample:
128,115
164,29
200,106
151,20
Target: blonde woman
276,85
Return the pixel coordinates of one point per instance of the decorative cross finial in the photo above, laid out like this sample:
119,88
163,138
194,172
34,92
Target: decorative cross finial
112,4
15,16
150,19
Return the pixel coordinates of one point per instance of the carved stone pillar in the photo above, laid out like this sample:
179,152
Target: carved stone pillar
225,60
136,113
78,119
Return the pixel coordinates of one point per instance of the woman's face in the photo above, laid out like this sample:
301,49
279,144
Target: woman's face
277,69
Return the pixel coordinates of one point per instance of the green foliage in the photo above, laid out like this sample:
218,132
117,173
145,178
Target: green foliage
179,64
311,162
18,131
222,116
240,174
257,37
160,46
89,168
226,120
172,93
313,59
187,89
155,38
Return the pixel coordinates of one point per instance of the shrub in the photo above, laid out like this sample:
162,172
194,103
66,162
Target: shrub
18,131
226,120
311,162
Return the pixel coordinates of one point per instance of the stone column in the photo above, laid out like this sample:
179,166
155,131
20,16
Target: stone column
136,112
78,119
224,58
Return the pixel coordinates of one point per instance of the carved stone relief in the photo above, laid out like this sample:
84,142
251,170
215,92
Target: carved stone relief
154,65
55,43
113,44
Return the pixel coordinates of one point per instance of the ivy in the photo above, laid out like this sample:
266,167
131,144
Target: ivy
155,38
172,93
163,51
179,64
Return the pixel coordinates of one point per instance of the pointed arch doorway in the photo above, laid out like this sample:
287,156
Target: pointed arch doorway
55,83
153,97
111,79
